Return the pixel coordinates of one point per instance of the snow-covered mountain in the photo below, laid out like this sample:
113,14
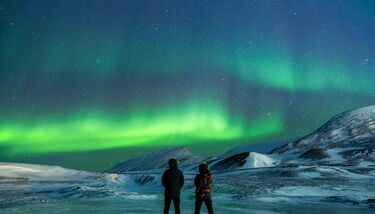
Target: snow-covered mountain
239,158
348,129
348,138
34,172
157,160
242,160
263,147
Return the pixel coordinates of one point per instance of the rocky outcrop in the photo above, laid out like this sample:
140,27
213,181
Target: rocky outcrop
231,162
314,154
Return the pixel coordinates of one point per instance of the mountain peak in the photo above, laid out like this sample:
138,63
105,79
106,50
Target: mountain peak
355,128
156,160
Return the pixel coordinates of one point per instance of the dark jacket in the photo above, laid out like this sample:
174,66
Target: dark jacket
172,180
203,185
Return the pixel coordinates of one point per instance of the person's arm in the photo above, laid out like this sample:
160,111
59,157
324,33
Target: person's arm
164,179
182,180
196,181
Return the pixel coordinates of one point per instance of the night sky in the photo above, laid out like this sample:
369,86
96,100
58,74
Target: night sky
87,84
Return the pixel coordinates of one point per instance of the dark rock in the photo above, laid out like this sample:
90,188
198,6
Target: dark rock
314,154
342,199
143,179
287,173
231,162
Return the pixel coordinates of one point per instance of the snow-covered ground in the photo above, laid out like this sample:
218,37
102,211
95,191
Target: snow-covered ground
49,189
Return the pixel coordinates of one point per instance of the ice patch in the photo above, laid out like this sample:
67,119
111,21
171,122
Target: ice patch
275,199
141,197
307,191
310,175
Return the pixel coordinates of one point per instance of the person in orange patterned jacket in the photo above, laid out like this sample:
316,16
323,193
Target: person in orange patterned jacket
203,189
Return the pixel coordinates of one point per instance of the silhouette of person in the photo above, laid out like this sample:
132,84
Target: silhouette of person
173,181
203,188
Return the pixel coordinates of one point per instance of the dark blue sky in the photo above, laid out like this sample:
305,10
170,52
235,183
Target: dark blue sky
92,77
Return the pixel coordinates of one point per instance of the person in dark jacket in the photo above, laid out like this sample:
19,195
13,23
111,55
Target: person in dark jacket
203,188
172,180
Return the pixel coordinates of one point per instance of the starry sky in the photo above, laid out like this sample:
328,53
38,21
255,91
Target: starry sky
87,84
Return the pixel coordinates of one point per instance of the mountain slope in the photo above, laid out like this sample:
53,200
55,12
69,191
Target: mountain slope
242,160
349,129
33,172
262,147
347,139
157,160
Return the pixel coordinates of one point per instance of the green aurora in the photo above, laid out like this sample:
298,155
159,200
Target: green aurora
174,127
122,78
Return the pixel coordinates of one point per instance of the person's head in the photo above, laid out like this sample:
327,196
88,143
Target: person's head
203,168
173,163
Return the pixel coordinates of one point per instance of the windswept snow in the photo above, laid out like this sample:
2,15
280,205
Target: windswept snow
258,160
43,173
334,156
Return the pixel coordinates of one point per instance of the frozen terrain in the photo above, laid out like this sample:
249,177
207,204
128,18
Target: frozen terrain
258,190
331,170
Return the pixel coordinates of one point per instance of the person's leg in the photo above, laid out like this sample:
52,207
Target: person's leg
167,204
198,205
208,203
176,203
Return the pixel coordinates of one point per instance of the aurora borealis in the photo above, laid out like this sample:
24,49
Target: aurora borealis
115,79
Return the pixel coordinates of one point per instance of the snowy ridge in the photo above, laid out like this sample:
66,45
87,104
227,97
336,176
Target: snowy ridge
349,129
157,160
33,172
241,160
263,148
